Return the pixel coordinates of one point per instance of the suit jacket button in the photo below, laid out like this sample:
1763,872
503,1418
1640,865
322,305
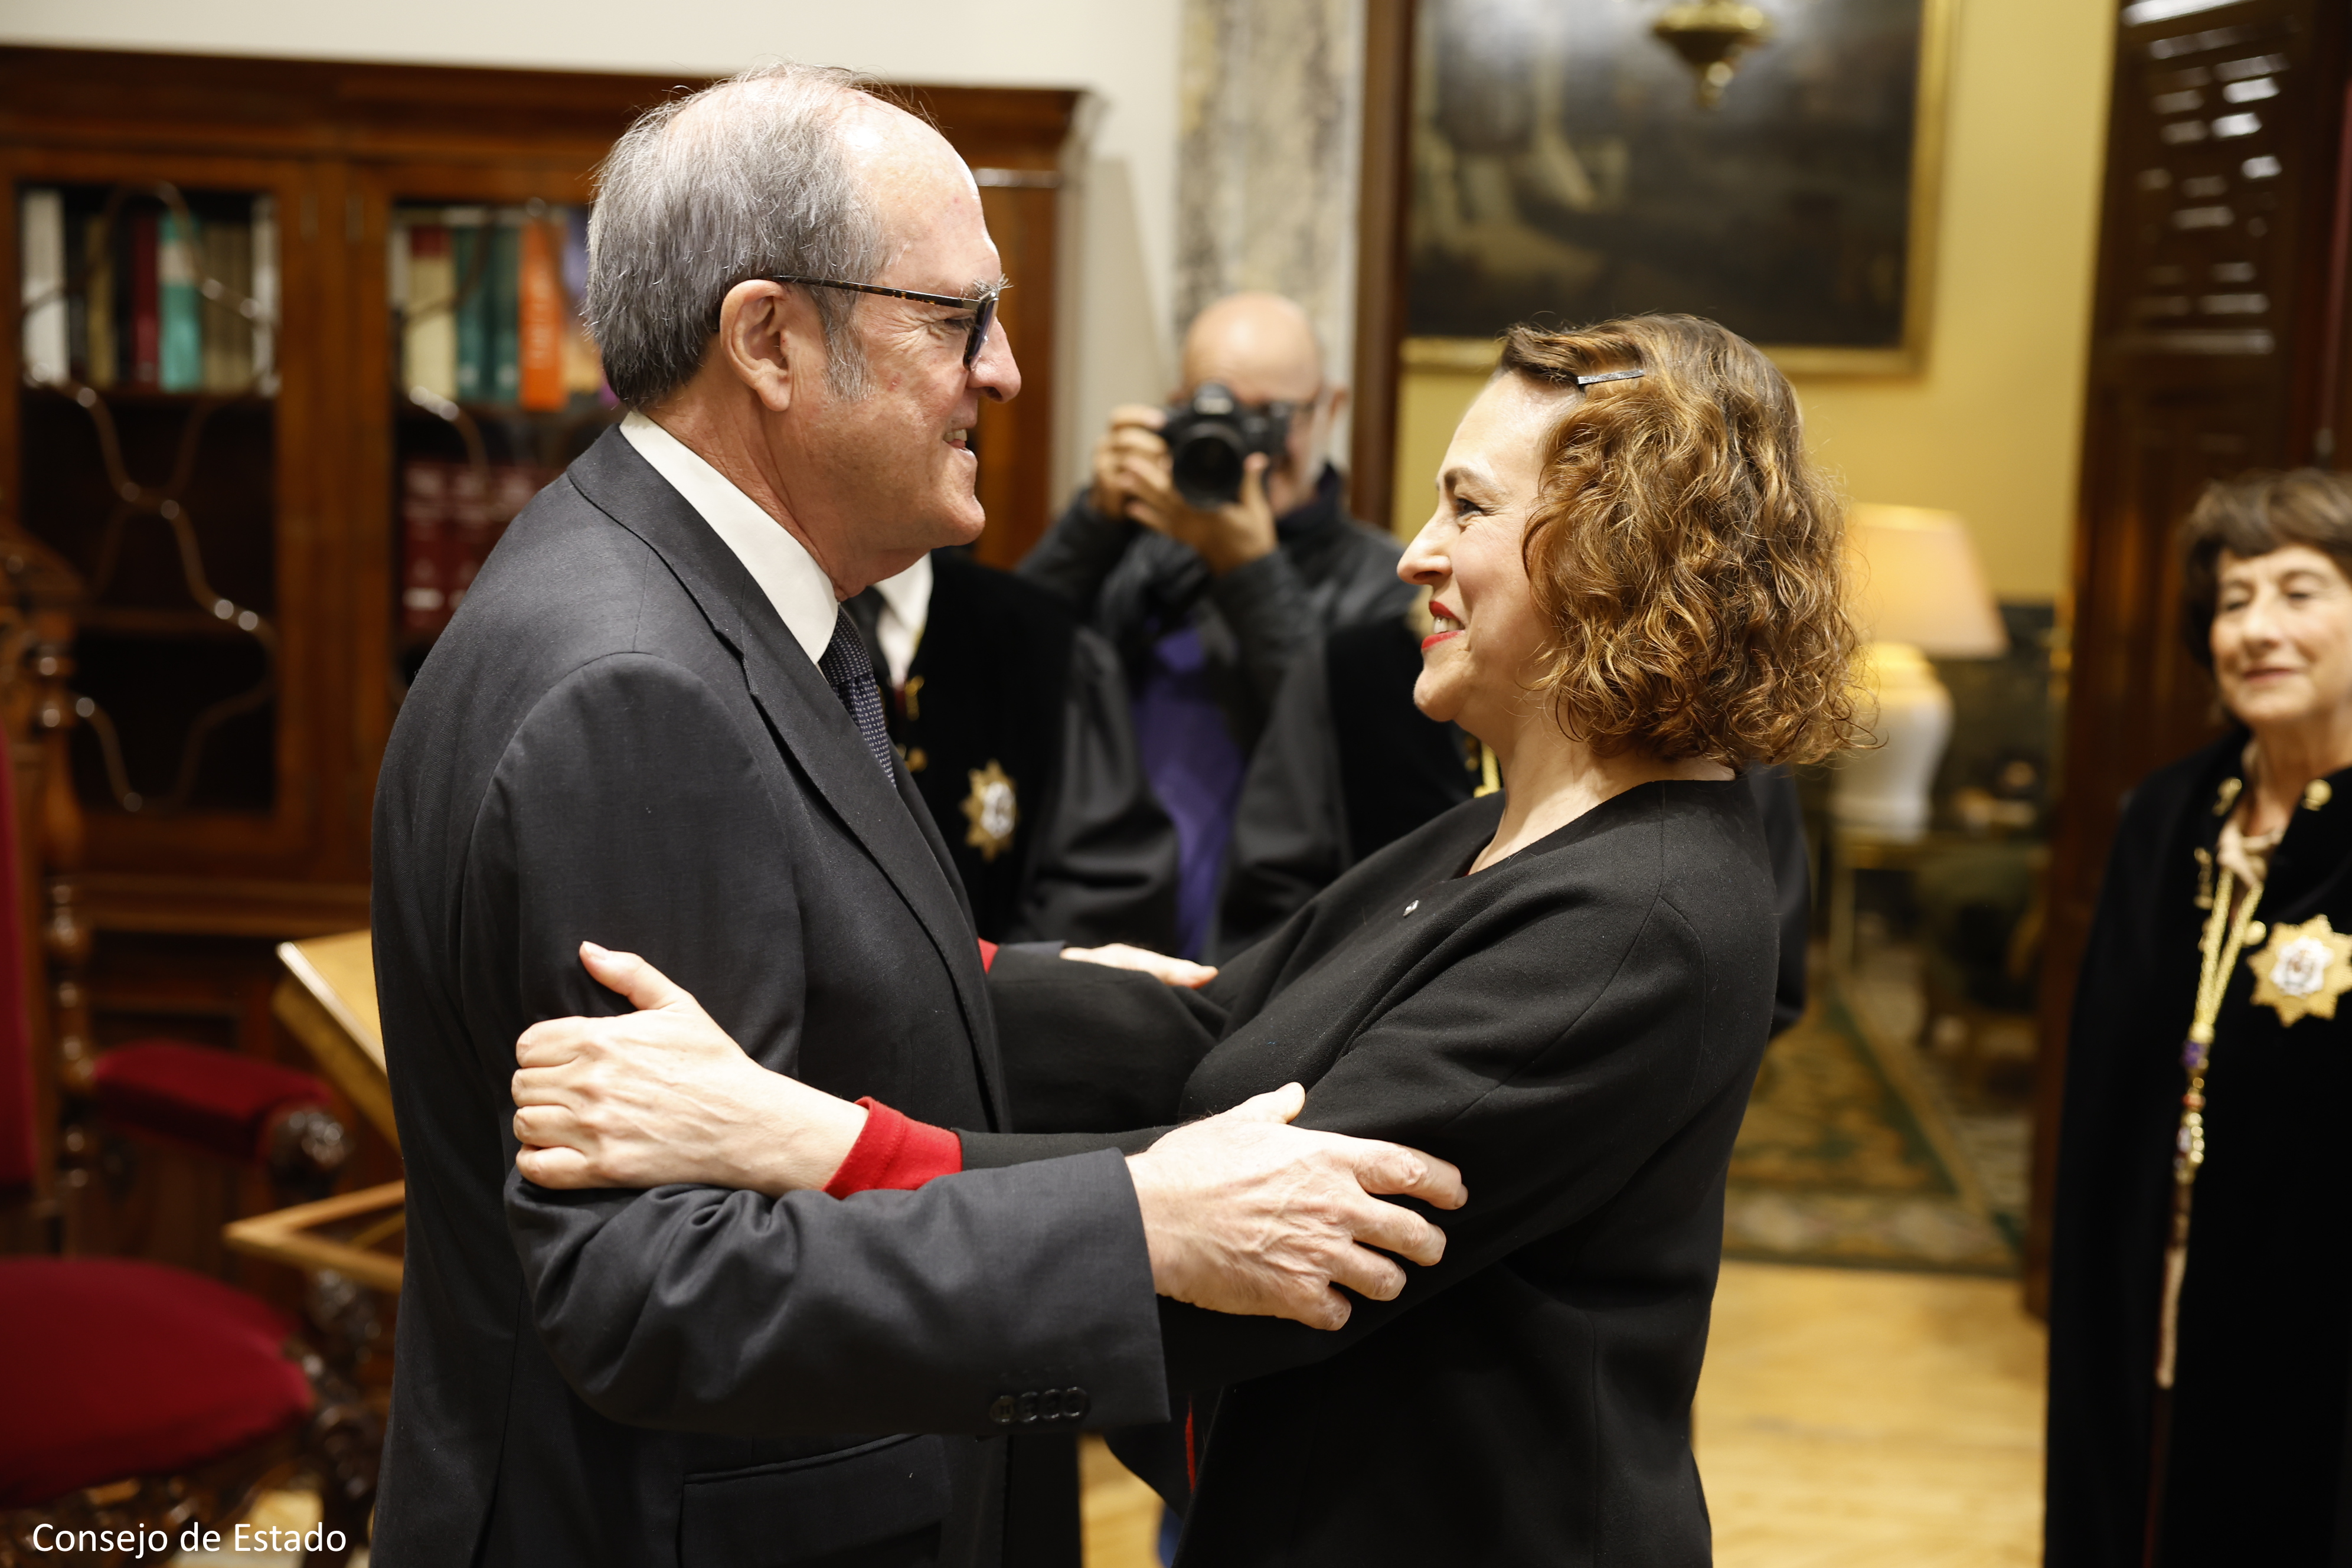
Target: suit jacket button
1003,1411
1073,1404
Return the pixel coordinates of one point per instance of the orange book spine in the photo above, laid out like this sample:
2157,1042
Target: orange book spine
541,318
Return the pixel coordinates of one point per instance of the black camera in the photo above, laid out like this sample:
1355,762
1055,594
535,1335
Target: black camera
1209,437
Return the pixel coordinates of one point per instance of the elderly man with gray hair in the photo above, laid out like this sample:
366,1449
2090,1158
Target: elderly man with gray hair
651,726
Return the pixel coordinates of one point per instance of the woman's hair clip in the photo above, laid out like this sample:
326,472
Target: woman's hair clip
1610,375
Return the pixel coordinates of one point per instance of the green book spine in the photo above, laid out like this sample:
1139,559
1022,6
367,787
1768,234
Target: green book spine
182,350
504,313
466,256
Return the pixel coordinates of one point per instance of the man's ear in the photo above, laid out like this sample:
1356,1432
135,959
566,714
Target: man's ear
765,334
1330,403
1314,429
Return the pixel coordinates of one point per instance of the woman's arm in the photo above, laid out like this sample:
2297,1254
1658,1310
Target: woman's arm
1092,1047
1552,1066
692,1108
1241,1213
689,1109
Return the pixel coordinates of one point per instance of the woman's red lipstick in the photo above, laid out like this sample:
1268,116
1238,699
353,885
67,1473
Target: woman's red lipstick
1433,638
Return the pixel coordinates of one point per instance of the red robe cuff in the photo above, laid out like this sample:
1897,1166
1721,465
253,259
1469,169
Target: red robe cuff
987,955
895,1152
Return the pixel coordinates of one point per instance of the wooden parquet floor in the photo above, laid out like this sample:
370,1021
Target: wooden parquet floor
1856,1420
1121,1515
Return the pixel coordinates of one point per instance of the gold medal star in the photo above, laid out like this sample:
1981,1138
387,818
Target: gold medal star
2303,969
995,811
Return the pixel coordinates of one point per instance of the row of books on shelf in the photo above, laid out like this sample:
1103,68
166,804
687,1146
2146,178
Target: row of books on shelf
450,516
138,293
488,300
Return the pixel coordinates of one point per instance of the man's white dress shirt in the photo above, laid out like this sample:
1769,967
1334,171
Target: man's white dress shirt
906,609
795,584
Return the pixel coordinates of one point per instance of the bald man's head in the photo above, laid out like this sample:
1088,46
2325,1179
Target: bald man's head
911,177
1260,346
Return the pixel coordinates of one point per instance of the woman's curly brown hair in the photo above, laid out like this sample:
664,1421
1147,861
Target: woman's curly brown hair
1687,557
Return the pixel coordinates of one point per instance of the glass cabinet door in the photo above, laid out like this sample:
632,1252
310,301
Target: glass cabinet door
148,435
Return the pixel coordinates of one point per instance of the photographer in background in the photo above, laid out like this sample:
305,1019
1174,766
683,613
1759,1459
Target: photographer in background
1208,600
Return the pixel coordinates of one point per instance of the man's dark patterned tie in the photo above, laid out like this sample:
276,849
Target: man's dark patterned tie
851,676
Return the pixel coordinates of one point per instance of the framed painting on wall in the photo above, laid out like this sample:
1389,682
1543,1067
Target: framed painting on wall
1568,164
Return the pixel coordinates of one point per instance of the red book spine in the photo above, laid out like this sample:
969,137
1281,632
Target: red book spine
424,548
146,314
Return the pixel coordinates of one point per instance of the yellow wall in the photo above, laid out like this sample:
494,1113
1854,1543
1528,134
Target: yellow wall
1991,429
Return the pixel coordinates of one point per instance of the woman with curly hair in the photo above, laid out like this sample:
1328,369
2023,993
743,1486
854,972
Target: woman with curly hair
1564,988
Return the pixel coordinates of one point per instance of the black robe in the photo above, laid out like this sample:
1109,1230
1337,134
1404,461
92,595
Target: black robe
1577,1027
1347,765
2266,1341
1008,691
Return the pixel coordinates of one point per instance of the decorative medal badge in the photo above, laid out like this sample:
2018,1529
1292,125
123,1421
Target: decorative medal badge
2304,970
993,814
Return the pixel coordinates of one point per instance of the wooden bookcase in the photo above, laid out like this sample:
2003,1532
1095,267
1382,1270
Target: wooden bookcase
289,514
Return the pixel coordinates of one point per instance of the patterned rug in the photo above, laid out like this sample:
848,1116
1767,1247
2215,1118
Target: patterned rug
1844,1158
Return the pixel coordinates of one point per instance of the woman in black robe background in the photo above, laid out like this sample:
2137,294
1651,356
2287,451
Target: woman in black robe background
2252,1444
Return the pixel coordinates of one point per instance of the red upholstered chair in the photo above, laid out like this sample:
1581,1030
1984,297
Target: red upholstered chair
178,1369
236,1108
135,1396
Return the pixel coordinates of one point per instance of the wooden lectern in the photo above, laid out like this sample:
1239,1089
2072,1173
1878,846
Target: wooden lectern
328,1000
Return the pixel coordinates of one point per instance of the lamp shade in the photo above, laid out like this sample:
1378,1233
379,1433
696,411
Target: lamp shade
1916,581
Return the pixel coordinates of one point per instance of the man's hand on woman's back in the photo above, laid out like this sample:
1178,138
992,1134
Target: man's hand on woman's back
1246,1215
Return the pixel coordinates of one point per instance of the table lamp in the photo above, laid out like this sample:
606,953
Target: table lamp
1916,591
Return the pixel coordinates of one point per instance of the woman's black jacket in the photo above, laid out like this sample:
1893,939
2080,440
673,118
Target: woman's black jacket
1576,1027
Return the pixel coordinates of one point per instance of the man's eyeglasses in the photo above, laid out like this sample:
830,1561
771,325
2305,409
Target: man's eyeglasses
981,305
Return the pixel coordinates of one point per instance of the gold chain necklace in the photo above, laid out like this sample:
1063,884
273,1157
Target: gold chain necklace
2218,950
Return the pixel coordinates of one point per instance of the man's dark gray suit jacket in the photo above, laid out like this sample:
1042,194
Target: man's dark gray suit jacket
617,740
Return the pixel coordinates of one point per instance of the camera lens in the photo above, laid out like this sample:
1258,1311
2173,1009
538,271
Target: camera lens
1206,464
